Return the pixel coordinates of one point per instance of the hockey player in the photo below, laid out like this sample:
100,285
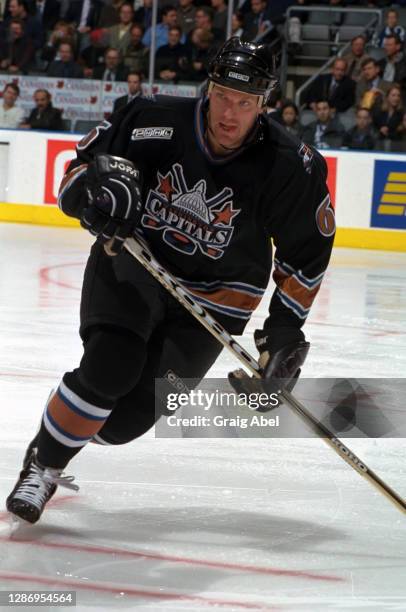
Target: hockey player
207,182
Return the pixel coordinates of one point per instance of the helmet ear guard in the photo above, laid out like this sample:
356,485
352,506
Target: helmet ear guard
244,66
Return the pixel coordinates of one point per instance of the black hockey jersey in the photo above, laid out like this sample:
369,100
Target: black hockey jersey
209,219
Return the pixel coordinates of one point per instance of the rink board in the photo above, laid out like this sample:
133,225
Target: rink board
368,189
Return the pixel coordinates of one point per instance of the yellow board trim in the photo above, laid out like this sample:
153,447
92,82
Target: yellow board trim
387,240
378,239
38,215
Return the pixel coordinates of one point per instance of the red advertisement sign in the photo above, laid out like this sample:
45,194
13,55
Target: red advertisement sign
59,155
332,177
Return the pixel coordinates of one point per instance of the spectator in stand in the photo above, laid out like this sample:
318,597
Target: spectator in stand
18,9
110,14
11,115
62,31
118,36
112,69
371,88
44,116
143,15
219,16
362,136
170,59
326,132
237,24
204,20
47,13
168,20
289,118
256,21
274,104
84,14
399,145
136,54
16,49
388,118
64,66
392,28
93,55
201,41
355,58
335,87
186,15
393,67
134,82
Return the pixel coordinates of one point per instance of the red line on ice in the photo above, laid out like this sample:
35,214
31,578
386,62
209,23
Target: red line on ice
105,550
127,590
370,330
44,275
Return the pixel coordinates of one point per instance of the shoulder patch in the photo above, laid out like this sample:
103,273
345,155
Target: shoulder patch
93,135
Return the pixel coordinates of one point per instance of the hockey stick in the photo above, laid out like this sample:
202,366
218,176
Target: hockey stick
138,249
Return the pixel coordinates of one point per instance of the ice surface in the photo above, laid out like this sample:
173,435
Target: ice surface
213,523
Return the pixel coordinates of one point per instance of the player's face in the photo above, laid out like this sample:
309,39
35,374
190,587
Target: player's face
231,116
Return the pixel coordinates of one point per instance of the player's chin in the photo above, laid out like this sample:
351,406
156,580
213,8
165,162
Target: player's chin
230,140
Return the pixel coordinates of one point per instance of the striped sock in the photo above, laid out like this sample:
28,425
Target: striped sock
69,422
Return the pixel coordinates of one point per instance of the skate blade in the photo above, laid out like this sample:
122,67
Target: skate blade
11,524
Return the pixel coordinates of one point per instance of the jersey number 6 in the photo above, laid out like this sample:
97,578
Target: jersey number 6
325,218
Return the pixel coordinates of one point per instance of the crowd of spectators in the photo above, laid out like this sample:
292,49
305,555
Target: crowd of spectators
359,104
70,38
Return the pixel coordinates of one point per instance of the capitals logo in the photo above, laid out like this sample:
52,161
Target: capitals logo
187,218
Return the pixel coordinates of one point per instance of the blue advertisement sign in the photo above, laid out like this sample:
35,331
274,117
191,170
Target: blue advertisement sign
389,195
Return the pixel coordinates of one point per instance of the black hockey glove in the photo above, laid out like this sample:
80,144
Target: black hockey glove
114,192
282,354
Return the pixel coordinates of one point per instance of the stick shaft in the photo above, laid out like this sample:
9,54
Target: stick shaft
140,251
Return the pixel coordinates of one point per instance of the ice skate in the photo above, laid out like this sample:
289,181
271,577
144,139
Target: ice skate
34,488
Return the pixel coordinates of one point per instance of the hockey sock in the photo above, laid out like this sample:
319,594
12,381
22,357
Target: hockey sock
70,420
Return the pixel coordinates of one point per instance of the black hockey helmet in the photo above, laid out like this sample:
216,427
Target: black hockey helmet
245,66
